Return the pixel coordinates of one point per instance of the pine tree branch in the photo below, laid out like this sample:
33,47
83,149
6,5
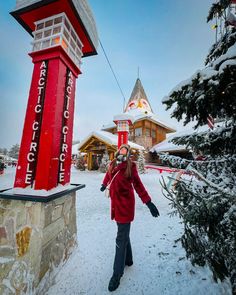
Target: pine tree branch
171,198
211,184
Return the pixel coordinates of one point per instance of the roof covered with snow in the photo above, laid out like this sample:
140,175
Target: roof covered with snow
139,108
107,138
141,114
168,146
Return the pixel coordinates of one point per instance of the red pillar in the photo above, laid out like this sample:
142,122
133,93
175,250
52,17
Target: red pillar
45,154
122,138
123,121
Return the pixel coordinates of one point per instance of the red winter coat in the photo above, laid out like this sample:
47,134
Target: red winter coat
122,193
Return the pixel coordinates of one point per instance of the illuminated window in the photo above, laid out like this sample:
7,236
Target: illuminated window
57,30
138,131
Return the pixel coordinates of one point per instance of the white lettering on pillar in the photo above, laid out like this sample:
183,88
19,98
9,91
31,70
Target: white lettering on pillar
65,129
32,154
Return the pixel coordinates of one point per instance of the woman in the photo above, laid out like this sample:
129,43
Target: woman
123,178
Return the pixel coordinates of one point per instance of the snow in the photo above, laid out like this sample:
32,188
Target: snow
6,259
160,266
31,192
140,114
7,179
230,62
108,138
205,74
230,54
75,149
124,116
208,73
7,183
168,146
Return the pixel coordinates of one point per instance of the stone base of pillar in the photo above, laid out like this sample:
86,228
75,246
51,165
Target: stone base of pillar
36,239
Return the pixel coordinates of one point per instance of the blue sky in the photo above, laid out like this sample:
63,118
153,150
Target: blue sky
167,40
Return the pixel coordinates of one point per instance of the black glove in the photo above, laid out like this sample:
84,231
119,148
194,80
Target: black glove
153,209
103,187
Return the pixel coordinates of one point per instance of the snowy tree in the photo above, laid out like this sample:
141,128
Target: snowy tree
104,163
207,200
3,151
141,162
14,151
80,163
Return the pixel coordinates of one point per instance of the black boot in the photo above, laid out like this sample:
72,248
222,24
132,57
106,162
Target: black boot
114,282
129,263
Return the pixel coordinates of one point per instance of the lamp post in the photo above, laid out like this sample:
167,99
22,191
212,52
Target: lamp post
123,121
43,227
64,31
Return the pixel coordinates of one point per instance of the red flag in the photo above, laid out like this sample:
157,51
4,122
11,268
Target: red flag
210,121
231,19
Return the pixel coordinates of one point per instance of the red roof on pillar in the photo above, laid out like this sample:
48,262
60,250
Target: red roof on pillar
29,13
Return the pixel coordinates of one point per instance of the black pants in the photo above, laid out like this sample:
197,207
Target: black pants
123,248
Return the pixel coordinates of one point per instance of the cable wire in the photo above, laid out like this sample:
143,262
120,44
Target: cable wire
122,93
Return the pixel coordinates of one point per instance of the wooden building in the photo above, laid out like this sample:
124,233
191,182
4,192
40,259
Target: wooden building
147,130
99,142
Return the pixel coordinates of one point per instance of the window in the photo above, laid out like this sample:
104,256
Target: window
58,20
40,26
45,44
138,131
49,23
123,126
65,32
38,36
47,33
147,132
154,134
58,31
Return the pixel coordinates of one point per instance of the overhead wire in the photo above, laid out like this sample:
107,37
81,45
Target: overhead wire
113,72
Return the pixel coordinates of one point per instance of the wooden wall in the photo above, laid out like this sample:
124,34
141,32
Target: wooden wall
152,133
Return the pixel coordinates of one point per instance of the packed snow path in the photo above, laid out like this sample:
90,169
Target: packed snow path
160,266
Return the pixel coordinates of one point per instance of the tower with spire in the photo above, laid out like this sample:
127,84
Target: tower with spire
138,99
147,130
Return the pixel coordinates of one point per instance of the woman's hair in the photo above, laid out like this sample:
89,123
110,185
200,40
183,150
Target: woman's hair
128,171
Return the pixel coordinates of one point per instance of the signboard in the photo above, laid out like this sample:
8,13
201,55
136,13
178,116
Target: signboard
38,109
65,125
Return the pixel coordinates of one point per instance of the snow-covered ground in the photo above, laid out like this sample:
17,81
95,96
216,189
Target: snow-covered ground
160,266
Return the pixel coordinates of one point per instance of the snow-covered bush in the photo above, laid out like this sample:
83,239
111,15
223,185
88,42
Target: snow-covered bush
80,163
141,162
207,200
104,163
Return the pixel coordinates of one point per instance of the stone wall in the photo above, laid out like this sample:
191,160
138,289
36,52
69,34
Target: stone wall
36,239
